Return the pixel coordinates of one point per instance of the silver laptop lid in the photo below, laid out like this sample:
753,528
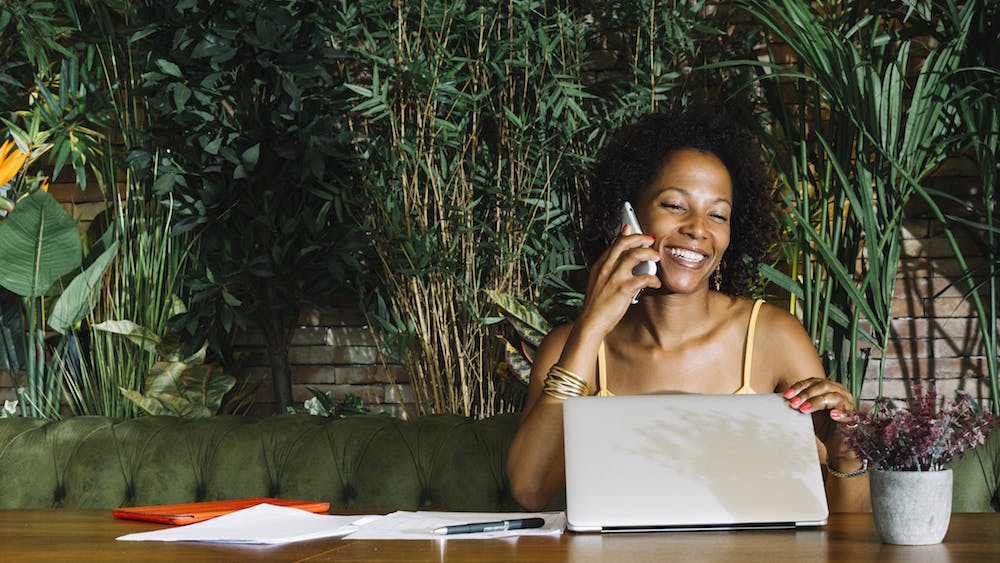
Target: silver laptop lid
690,462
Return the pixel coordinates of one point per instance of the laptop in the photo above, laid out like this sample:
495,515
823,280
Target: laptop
690,462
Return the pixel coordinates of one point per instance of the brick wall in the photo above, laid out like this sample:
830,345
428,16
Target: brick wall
935,334
332,352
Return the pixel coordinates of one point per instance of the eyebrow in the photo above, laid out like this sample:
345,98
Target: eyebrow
688,193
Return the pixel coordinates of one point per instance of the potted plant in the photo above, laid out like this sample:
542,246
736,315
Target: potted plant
907,448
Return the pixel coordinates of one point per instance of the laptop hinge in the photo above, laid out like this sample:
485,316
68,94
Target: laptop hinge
702,527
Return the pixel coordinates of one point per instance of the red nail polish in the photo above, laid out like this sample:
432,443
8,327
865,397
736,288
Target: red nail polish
789,392
795,402
835,413
624,229
805,406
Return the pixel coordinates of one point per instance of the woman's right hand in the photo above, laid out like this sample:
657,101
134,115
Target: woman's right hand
612,284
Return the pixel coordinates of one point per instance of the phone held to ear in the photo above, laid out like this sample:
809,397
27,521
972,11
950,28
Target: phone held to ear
643,268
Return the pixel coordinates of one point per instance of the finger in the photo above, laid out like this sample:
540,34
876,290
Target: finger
844,417
815,394
800,386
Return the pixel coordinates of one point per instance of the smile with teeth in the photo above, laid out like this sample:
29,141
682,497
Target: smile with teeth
687,255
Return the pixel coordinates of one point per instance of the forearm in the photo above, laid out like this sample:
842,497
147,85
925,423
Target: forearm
846,481
535,459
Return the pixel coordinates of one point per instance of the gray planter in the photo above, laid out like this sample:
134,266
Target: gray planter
911,507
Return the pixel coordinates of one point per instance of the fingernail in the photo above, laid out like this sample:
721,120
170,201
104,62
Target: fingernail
625,228
789,392
651,239
796,401
835,413
805,406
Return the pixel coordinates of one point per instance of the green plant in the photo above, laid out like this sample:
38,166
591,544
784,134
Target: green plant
851,146
529,325
144,283
246,117
40,248
180,383
472,132
322,404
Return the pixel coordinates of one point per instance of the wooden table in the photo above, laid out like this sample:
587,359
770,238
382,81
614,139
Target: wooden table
89,535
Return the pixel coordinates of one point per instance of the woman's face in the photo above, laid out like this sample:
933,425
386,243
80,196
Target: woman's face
687,209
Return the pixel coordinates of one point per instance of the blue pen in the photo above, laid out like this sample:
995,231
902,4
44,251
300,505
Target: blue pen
499,526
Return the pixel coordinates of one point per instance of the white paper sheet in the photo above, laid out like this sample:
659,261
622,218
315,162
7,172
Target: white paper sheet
260,524
403,525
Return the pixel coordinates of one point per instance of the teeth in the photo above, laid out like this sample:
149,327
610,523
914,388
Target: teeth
687,254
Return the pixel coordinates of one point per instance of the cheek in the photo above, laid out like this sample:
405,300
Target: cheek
722,237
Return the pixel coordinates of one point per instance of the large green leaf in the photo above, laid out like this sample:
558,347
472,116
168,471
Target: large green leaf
80,296
178,389
141,336
39,243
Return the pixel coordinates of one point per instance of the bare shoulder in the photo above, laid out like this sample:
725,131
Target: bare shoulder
779,322
784,341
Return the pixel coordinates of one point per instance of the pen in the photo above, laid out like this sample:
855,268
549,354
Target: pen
499,526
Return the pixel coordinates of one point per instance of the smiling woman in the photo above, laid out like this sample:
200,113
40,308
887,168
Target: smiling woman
701,195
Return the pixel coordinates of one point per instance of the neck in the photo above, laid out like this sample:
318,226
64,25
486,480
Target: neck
670,318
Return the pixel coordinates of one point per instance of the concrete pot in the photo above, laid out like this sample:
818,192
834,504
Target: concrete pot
911,507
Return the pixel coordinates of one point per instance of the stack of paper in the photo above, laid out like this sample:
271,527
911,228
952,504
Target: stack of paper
269,524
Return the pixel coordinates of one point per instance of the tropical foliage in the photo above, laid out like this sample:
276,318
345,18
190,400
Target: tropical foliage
853,138
430,157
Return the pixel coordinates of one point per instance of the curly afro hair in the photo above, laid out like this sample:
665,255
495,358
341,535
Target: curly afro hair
632,159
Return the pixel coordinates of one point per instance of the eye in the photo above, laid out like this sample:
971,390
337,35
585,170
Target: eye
720,218
671,205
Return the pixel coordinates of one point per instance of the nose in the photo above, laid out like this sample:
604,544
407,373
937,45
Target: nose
694,226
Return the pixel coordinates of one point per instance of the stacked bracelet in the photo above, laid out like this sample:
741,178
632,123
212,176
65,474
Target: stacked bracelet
560,383
842,475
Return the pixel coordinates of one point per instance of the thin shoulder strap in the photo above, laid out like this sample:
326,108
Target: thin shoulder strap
745,389
602,372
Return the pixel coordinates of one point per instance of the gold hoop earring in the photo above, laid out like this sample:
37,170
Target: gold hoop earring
717,278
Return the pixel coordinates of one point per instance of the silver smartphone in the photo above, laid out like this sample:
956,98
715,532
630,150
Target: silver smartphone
643,268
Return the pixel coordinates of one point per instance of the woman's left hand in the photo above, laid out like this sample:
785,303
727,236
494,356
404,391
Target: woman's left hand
816,394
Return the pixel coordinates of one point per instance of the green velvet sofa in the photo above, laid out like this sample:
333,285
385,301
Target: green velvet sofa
364,463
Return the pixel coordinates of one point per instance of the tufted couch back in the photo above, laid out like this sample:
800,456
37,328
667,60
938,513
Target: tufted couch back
365,463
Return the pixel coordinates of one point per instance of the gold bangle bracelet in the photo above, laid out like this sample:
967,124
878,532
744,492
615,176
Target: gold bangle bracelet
842,475
560,383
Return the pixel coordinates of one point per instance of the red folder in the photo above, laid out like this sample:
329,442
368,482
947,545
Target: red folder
180,514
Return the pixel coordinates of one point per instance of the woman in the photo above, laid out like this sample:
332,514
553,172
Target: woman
702,198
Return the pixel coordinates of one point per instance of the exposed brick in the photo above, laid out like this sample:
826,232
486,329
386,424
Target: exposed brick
945,306
332,317
922,368
977,388
332,336
314,374
399,394
333,355
361,374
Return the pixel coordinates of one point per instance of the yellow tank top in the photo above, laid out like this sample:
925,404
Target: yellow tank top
745,389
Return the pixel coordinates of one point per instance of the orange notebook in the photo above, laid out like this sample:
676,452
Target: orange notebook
180,514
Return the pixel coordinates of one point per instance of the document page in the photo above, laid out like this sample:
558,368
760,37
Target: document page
261,524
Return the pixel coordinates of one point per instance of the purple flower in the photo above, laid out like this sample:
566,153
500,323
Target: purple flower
919,436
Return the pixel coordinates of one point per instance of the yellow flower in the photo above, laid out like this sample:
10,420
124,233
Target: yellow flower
11,159
44,185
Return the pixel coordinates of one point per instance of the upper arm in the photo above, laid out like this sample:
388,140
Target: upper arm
787,346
